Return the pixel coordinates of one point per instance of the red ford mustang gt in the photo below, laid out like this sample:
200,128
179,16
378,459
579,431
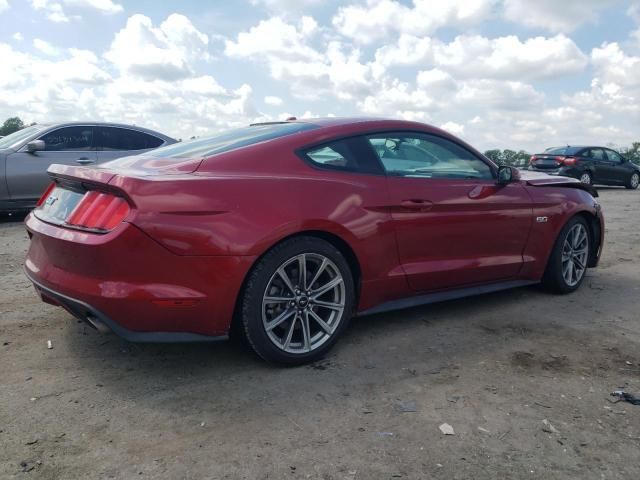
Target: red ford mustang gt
283,231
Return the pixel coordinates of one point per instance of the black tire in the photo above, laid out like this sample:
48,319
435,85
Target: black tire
634,180
553,278
262,277
585,175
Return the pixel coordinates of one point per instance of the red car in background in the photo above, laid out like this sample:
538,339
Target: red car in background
283,231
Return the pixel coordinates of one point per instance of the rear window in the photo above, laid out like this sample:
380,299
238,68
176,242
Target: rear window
229,140
563,150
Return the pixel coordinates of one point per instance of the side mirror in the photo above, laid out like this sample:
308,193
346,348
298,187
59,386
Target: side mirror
35,145
507,174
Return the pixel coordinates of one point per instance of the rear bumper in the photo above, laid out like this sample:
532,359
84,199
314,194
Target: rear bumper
132,285
104,324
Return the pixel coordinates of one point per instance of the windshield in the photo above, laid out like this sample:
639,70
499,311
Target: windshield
16,137
229,140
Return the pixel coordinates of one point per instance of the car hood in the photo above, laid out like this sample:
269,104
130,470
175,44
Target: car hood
539,179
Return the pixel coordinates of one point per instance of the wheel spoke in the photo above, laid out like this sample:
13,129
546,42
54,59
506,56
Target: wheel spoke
306,332
287,341
280,318
285,278
330,305
326,287
302,272
276,299
324,325
579,263
321,268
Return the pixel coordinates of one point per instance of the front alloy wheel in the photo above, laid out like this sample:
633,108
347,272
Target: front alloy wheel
569,258
298,298
575,254
634,181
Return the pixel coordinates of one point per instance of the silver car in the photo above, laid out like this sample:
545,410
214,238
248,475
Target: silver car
26,154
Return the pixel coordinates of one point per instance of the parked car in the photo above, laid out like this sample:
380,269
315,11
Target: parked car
591,165
26,154
282,231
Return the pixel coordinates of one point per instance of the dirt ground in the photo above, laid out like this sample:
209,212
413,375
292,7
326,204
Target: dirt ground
522,376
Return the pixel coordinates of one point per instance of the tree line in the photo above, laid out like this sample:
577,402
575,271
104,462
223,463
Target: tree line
514,158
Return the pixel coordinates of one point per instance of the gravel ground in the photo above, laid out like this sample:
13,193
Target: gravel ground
523,377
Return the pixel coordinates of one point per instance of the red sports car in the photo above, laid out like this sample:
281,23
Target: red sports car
283,231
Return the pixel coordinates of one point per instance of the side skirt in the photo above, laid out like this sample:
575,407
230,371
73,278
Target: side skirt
445,295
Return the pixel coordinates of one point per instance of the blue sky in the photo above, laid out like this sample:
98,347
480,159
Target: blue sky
499,73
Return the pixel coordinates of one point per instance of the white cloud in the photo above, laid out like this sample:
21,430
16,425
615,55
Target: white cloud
53,10
166,52
276,37
103,6
454,128
376,19
286,5
18,37
554,15
45,47
273,100
4,5
481,57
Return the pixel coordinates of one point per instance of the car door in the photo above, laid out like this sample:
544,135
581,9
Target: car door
455,226
616,164
601,165
27,172
116,142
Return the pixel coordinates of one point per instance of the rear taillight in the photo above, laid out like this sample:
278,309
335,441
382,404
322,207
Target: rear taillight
532,159
99,211
568,161
46,194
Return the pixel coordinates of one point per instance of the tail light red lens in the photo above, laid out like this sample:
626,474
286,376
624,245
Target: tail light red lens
99,211
46,194
568,161
532,159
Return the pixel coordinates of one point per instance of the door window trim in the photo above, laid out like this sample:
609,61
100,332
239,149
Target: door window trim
492,168
373,156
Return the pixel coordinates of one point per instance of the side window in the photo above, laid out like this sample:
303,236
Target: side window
597,154
614,157
68,139
114,138
428,156
350,155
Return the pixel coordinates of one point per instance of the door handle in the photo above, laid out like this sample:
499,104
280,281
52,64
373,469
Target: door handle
416,204
84,160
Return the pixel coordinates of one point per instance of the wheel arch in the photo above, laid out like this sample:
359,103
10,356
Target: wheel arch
342,245
595,231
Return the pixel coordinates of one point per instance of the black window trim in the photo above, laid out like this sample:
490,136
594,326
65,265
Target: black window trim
302,153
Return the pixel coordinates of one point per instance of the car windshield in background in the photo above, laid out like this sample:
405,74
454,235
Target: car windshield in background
562,150
15,138
229,140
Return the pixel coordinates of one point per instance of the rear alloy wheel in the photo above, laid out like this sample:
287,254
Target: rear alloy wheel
634,181
586,178
569,259
297,300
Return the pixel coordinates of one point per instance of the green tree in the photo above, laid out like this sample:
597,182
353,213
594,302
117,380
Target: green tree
11,125
632,153
494,155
